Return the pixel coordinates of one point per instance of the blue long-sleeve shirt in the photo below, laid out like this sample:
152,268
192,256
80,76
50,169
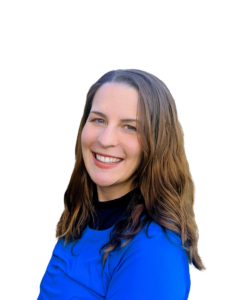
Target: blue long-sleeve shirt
144,269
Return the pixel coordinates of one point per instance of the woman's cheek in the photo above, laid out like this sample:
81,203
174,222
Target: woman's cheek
88,135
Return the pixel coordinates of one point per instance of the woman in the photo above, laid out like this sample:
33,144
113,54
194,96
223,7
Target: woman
128,228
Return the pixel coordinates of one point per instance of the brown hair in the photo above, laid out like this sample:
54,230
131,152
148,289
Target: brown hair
163,177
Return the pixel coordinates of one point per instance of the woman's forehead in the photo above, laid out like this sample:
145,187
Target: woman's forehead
116,91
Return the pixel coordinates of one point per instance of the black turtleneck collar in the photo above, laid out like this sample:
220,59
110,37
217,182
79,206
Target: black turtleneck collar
109,212
115,203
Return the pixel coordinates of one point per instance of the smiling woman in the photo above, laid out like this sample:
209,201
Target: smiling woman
128,228
117,104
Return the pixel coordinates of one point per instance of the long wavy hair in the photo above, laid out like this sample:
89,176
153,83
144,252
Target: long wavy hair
163,177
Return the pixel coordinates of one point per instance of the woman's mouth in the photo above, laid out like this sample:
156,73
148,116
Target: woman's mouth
105,163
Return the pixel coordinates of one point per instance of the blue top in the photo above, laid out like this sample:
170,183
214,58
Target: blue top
144,269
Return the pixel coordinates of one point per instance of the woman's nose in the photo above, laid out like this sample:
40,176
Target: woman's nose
108,137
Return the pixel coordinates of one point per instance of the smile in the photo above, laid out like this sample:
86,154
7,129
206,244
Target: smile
105,162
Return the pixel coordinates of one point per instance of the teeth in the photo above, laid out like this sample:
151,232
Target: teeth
107,159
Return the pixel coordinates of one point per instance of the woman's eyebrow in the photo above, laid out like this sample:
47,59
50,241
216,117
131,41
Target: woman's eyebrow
122,120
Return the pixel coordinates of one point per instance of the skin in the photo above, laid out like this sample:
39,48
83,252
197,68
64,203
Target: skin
109,135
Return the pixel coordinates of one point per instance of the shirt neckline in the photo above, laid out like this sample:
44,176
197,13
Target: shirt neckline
115,203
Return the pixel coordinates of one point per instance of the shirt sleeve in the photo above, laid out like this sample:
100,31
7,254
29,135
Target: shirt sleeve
151,269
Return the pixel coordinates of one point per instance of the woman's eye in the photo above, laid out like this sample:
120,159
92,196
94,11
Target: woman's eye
131,127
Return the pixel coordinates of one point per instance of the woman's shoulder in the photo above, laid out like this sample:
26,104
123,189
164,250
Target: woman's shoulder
158,248
152,239
154,233
154,263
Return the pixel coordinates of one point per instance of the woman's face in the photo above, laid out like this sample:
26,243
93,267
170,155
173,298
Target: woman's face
105,132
